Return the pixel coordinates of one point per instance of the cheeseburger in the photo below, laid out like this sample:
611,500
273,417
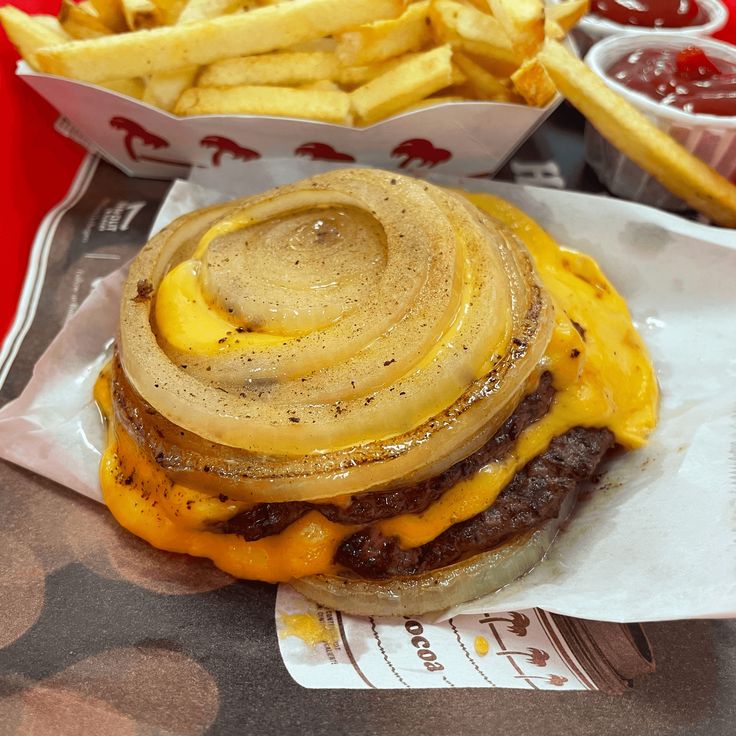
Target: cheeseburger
381,391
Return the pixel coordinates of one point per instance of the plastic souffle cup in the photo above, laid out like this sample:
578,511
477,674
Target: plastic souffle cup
715,12
711,138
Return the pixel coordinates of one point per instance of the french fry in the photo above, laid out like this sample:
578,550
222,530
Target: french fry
384,39
477,4
637,137
111,14
523,23
354,76
130,87
458,77
88,7
52,23
316,44
287,69
163,89
566,14
169,10
80,23
140,14
290,68
28,34
166,49
454,21
322,84
329,106
533,83
196,10
408,82
497,62
482,83
552,29
32,32
474,32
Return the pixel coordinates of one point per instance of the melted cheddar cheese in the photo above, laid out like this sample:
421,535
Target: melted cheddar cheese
189,323
602,380
308,628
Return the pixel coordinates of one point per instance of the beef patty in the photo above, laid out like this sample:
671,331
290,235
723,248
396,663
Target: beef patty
534,495
265,519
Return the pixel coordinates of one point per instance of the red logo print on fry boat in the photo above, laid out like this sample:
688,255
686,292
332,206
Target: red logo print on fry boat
321,152
223,145
533,656
133,132
422,151
517,622
136,132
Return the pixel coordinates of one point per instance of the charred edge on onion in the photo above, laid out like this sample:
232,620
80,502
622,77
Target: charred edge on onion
144,291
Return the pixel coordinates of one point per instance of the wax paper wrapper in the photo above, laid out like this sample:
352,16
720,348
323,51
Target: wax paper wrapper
655,541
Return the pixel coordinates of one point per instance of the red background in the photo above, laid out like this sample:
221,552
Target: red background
39,163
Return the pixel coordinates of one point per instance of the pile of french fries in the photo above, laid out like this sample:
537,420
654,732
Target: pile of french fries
341,61
351,62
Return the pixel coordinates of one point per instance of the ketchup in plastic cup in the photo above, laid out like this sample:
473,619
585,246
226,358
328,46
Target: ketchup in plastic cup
650,13
687,17
689,79
686,86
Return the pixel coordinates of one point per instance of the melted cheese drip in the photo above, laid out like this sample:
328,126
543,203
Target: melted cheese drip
191,324
604,380
308,628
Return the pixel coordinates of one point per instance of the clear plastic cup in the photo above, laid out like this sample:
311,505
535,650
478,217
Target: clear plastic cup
711,138
597,28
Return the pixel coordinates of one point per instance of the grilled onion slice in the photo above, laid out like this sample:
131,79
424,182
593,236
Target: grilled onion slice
345,333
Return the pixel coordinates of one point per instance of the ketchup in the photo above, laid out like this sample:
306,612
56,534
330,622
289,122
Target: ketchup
650,13
687,79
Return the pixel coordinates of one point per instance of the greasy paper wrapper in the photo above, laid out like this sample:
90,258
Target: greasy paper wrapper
656,540
464,138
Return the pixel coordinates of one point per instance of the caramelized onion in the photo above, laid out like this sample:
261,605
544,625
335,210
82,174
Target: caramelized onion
345,333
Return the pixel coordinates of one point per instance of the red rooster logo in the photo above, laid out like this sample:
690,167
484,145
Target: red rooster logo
421,150
225,145
322,152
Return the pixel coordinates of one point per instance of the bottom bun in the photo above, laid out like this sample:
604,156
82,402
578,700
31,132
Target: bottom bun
439,589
